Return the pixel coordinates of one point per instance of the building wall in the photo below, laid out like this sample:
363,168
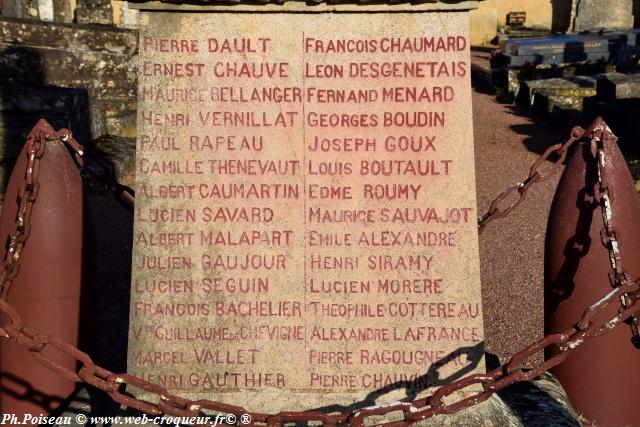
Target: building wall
485,20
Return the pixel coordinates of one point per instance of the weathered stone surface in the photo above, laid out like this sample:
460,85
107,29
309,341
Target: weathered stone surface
303,6
450,3
581,15
125,16
548,102
77,37
98,63
446,4
541,402
26,9
614,86
92,58
576,86
324,333
598,14
62,11
514,78
77,77
124,124
94,12
120,153
562,97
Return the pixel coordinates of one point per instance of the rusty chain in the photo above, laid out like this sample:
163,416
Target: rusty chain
601,135
496,211
422,408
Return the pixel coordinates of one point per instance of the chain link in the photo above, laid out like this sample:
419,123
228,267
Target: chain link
601,135
422,408
497,211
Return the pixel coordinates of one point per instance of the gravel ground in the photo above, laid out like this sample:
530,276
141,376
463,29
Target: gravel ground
512,248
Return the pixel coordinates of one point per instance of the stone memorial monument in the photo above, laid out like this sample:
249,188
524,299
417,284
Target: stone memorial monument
305,228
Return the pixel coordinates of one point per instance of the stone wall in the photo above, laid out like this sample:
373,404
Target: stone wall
77,76
102,12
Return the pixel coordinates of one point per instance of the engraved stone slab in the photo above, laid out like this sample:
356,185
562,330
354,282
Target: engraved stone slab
305,227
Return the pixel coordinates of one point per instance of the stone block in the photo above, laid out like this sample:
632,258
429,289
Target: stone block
598,14
26,9
547,102
94,12
62,11
551,96
124,124
619,86
99,62
318,56
513,79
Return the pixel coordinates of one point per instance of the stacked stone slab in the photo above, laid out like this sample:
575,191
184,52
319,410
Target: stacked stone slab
569,48
580,99
101,12
555,50
618,101
619,86
99,60
565,56
562,98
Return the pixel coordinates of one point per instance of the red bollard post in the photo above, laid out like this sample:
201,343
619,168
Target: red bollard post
602,376
46,291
